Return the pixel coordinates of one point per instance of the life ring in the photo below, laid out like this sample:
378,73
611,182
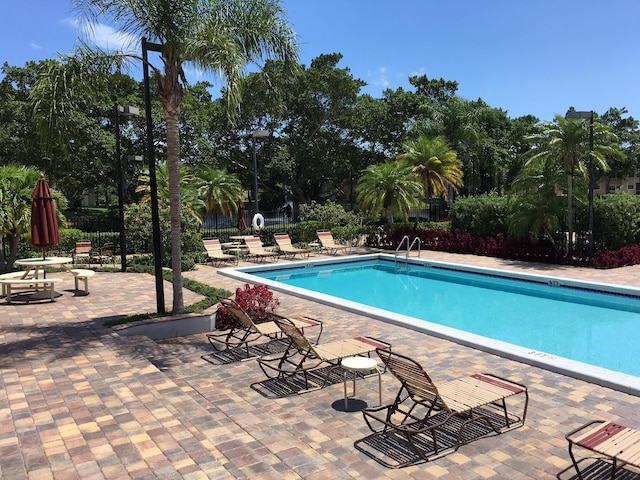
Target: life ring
258,221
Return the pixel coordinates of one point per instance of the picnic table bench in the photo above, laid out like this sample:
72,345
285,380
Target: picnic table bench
82,275
11,284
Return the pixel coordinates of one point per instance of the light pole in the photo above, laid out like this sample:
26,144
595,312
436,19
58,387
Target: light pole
257,134
117,111
136,158
153,184
571,113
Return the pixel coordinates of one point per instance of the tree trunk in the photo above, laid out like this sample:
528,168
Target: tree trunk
171,94
389,212
570,212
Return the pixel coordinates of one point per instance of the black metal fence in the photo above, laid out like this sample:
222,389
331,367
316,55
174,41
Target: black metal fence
100,230
224,226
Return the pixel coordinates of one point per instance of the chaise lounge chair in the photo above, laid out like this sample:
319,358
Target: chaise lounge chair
214,252
237,339
286,248
616,442
304,358
423,409
328,243
257,251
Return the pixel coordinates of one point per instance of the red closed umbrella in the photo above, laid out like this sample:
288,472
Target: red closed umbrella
242,225
44,223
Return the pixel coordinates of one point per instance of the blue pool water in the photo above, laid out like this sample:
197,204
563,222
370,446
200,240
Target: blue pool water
593,327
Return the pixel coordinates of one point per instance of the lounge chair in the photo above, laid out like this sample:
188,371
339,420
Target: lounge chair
238,338
82,251
213,249
303,357
286,248
257,251
422,409
328,243
616,442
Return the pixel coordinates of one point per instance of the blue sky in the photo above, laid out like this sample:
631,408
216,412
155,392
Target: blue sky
525,56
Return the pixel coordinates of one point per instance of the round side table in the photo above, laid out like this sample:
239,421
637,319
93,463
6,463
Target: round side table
356,365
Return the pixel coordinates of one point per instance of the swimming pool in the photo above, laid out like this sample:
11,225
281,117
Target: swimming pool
584,330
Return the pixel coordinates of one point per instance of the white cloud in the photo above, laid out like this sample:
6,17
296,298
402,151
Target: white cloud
105,36
380,78
35,46
421,71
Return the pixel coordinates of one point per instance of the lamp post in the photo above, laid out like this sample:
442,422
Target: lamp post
153,184
257,134
571,113
136,158
117,111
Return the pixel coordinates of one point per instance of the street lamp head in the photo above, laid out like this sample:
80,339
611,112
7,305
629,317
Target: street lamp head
571,113
261,134
128,110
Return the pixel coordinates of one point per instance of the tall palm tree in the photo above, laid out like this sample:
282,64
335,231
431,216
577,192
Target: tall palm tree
436,164
389,189
217,36
564,144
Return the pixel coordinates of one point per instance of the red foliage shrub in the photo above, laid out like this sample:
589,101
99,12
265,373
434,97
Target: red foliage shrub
256,301
465,242
617,258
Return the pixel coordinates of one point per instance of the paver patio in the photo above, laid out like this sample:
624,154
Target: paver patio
78,400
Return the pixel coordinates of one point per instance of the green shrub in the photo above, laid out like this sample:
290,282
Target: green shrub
329,213
424,226
307,231
352,234
485,215
616,221
139,229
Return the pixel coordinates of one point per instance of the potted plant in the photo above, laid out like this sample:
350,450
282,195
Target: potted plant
257,301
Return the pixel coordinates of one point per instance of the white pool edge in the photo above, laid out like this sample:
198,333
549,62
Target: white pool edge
601,376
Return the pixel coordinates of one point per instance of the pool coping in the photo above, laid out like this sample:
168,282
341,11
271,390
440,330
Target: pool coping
601,376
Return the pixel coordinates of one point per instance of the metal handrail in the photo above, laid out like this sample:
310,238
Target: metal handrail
409,248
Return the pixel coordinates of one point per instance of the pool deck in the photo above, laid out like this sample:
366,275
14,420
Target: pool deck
80,401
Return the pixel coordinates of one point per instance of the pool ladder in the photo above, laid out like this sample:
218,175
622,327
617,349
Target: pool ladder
409,248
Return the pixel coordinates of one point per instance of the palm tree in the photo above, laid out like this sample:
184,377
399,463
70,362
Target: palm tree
218,189
191,202
564,145
387,189
16,186
436,164
217,36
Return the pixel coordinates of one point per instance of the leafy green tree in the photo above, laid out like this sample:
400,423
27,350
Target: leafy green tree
436,164
217,36
17,131
389,189
72,100
563,147
310,153
626,128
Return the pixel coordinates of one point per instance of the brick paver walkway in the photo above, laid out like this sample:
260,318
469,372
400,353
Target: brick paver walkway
78,400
